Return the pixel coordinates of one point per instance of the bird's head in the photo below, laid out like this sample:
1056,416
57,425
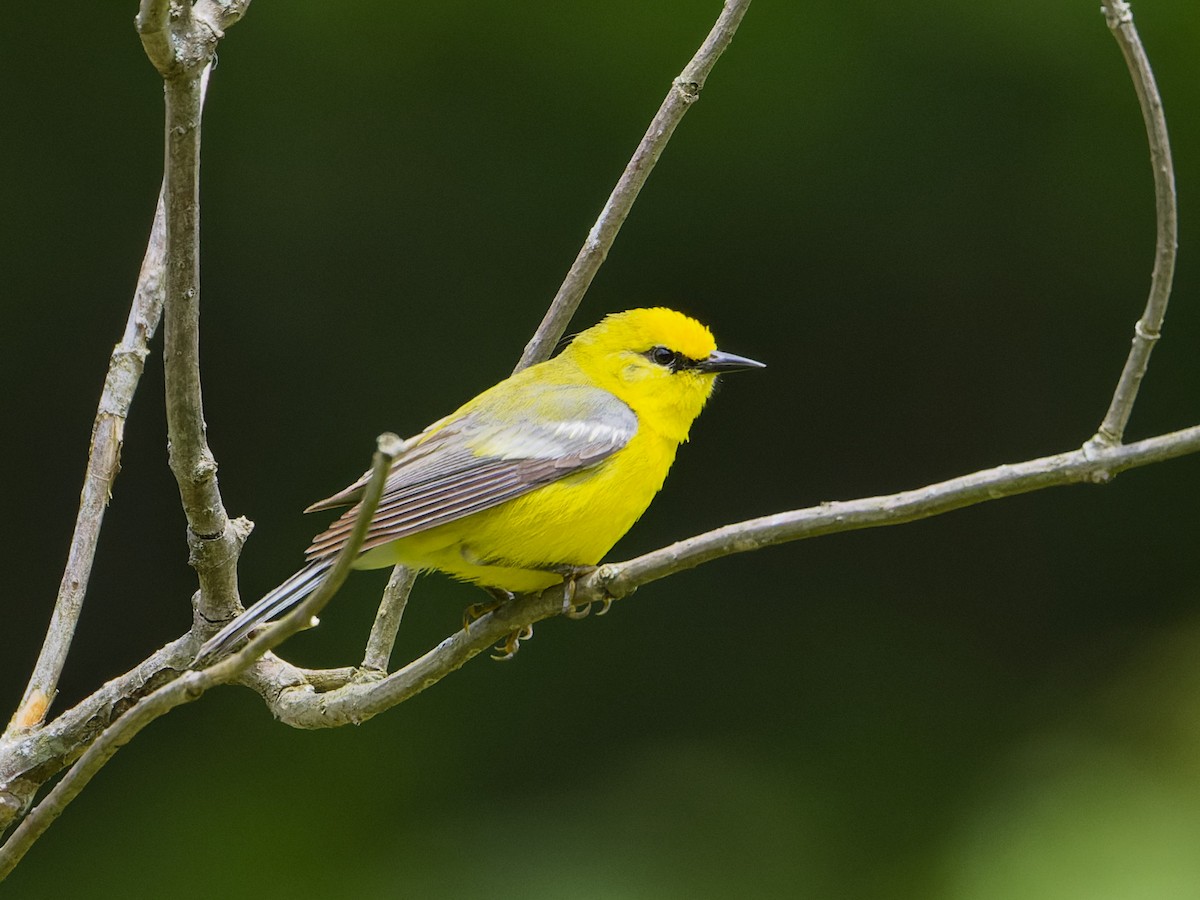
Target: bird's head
662,363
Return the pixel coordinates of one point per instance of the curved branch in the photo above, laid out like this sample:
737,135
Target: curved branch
685,90
356,702
1149,327
191,685
326,699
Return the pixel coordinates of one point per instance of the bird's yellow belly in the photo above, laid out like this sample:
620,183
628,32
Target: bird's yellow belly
571,522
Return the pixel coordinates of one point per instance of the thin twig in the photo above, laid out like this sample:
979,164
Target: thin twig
213,540
357,702
685,90
193,684
387,619
104,461
1149,327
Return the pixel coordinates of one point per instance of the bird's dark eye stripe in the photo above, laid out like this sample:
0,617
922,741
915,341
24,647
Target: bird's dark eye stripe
672,359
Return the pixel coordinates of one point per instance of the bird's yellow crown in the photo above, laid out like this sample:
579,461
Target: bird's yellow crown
641,329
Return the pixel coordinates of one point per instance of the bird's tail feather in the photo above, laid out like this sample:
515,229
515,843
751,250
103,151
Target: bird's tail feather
275,603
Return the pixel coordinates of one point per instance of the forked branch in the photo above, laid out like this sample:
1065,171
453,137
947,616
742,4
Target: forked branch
191,685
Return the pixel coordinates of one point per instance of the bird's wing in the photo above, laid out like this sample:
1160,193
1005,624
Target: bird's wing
479,458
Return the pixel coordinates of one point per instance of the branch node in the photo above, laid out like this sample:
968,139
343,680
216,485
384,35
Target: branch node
1145,332
10,806
367,675
33,710
689,91
1118,13
612,581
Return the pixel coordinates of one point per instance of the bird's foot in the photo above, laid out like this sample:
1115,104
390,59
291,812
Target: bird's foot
477,611
512,644
571,575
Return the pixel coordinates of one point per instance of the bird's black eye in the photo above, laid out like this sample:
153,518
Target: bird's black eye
663,356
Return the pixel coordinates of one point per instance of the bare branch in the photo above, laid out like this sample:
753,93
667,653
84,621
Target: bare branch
191,685
300,618
213,540
387,619
685,90
1149,327
1094,465
191,460
357,702
104,461
326,699
181,42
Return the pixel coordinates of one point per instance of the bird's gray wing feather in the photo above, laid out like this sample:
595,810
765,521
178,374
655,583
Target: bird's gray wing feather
479,460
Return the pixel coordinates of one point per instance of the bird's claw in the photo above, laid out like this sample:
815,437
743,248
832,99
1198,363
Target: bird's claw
570,576
576,612
512,644
477,611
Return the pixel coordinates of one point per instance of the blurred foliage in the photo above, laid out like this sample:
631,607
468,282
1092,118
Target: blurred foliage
933,221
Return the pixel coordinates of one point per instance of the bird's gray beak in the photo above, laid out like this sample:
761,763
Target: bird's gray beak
720,361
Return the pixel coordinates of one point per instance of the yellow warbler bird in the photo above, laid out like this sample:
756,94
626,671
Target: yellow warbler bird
536,476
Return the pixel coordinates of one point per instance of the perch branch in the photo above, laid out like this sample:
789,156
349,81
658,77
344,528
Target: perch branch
1149,327
191,685
356,702
685,90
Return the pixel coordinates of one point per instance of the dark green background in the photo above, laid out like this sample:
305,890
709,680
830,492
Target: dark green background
934,221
